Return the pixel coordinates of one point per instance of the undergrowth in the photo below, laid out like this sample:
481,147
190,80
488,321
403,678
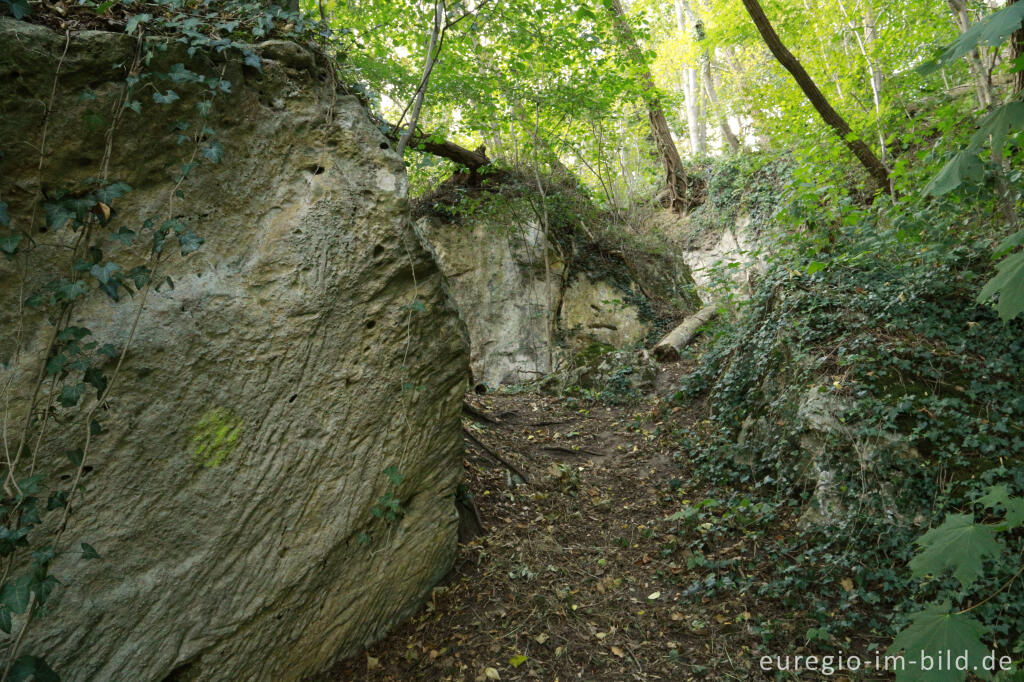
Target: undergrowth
877,320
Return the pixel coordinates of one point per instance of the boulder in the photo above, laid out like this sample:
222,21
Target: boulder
305,369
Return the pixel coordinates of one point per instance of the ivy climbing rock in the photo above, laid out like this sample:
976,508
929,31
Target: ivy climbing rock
273,482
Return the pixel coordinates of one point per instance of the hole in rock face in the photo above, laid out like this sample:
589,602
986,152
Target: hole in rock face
292,399
383,145
86,469
371,324
316,170
480,389
378,250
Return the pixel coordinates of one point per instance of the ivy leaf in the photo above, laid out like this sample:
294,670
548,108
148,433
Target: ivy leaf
5,619
57,215
15,594
395,475
140,276
9,244
958,544
34,668
5,220
137,20
94,377
55,364
89,552
71,394
170,96
135,105
214,151
69,291
104,273
189,241
1009,284
935,630
253,60
125,236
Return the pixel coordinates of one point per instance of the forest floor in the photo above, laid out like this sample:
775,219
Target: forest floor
579,575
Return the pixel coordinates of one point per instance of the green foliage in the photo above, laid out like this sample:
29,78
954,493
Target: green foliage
935,630
992,31
958,545
920,379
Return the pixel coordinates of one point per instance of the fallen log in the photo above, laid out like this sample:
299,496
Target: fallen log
670,347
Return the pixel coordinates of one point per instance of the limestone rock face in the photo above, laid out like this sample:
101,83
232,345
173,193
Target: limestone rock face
497,279
531,313
304,349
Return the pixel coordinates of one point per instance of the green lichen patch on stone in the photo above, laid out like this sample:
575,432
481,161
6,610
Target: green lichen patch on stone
215,436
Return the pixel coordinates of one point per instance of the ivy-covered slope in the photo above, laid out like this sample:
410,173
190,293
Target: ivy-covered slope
861,404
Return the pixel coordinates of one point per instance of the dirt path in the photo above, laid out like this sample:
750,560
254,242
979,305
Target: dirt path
578,576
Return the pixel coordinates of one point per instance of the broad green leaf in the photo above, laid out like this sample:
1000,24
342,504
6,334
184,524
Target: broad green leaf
89,552
964,166
517,660
934,631
958,545
1009,284
1010,243
997,125
992,30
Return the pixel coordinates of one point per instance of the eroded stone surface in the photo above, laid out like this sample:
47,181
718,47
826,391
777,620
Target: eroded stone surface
263,397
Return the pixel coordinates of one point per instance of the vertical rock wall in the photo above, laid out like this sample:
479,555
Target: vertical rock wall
304,349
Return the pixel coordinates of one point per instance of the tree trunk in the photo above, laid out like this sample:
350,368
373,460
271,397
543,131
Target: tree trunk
670,347
428,67
694,122
680,194
723,121
874,167
982,81
1016,50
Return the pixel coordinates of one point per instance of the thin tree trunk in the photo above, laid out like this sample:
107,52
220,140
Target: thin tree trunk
874,167
982,81
723,121
677,184
428,67
874,73
695,126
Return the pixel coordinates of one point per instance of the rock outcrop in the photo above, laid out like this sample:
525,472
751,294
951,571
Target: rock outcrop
305,366
531,313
